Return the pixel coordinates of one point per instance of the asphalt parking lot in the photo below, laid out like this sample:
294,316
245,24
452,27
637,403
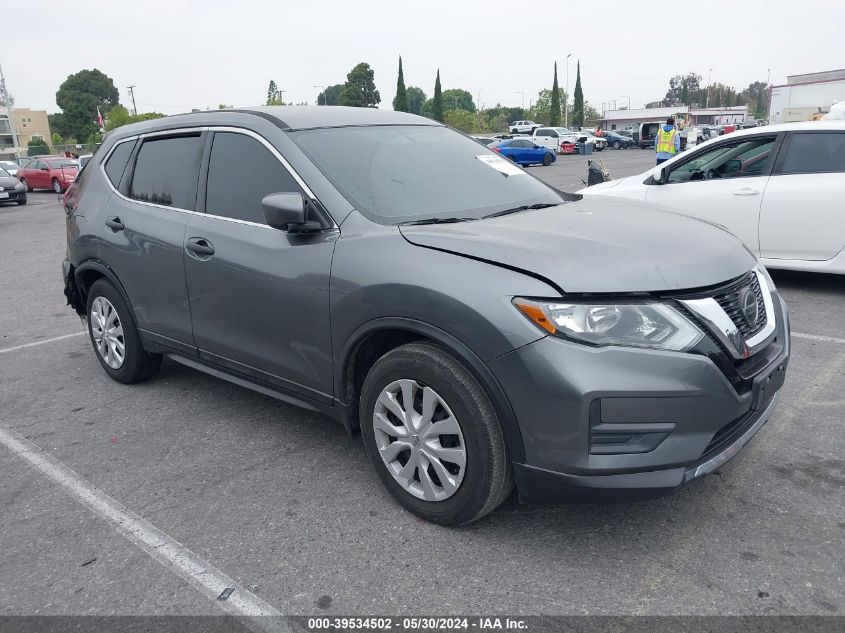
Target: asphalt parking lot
283,504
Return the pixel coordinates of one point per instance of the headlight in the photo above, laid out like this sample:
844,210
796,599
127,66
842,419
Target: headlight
767,277
19,185
654,325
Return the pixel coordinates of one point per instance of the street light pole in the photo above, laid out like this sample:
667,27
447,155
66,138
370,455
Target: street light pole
707,100
566,95
629,100
324,95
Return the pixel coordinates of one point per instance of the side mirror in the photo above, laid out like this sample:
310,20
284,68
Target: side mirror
661,177
45,169
731,167
286,212
536,147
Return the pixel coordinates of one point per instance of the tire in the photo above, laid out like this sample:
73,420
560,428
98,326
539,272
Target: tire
137,364
598,148
512,158
547,160
483,482
21,201
514,131
26,184
617,145
57,186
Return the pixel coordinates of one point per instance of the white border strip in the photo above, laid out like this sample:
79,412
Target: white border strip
44,342
816,337
170,553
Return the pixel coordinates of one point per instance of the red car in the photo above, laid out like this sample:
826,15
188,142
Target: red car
49,172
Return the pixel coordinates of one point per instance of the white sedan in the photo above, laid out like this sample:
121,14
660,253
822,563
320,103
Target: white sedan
779,188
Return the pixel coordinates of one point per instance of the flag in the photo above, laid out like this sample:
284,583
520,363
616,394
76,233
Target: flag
100,121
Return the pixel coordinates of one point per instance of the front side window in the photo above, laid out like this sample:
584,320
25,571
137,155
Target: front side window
542,132
815,153
389,173
741,158
167,170
241,171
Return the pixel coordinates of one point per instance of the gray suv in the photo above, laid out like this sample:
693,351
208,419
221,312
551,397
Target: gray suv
478,328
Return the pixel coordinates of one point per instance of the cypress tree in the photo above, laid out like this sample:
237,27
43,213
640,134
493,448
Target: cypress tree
437,100
554,111
400,103
578,101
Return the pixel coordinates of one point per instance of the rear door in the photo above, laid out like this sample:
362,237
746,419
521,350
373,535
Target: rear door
260,298
723,183
803,211
143,228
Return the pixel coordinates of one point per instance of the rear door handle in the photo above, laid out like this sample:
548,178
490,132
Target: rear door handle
746,191
200,246
115,224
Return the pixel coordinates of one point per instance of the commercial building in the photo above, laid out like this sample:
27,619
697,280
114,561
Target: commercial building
621,119
806,96
8,134
31,124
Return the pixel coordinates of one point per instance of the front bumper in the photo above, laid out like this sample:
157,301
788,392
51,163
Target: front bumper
597,422
13,195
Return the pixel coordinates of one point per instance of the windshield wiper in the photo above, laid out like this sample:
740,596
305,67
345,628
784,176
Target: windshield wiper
525,207
436,221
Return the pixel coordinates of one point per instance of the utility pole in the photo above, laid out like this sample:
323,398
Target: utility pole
566,95
325,96
707,100
131,90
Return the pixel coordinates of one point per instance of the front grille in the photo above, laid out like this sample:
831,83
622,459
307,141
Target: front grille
728,298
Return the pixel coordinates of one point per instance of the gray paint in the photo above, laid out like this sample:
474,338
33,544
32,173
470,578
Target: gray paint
285,311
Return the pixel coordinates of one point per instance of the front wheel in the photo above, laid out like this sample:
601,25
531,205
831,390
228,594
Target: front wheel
26,184
433,435
21,201
115,339
547,160
617,145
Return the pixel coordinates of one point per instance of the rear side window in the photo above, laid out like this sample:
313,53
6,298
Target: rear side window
116,163
241,171
814,153
167,170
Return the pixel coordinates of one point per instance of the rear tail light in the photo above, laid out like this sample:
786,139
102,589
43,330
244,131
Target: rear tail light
496,149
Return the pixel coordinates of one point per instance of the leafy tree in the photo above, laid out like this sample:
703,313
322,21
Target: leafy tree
757,96
56,139
360,88
460,119
437,100
458,99
554,102
592,116
541,111
37,146
274,95
224,106
119,116
400,101
416,99
683,89
330,96
578,100
79,96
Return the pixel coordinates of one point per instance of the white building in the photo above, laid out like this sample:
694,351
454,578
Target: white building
803,96
621,119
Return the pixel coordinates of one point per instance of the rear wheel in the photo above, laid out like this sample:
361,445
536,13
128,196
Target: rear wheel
57,186
115,338
433,435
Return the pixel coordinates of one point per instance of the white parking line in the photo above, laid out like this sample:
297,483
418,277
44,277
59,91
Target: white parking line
816,337
44,342
158,545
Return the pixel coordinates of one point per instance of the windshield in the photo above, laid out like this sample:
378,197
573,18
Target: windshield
4,173
395,174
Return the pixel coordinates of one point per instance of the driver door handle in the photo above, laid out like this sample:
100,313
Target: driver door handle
746,191
200,246
115,224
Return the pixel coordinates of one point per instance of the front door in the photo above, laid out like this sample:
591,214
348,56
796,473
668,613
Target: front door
259,296
722,184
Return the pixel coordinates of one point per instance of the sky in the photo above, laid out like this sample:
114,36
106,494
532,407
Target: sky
183,54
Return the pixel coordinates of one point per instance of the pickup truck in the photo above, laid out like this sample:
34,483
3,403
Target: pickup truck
552,137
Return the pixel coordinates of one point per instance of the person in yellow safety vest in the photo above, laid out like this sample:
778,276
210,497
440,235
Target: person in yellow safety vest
667,141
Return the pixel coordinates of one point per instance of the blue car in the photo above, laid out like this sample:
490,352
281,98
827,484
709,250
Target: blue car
618,141
524,151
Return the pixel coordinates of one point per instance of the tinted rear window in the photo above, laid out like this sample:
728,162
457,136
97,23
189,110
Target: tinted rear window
401,173
815,152
167,170
116,163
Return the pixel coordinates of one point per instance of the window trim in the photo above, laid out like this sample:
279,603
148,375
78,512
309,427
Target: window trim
776,147
781,159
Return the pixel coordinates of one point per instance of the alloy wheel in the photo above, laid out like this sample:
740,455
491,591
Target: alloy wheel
107,331
419,440
57,186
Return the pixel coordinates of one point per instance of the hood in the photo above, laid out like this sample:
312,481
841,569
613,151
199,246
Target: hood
8,183
597,244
